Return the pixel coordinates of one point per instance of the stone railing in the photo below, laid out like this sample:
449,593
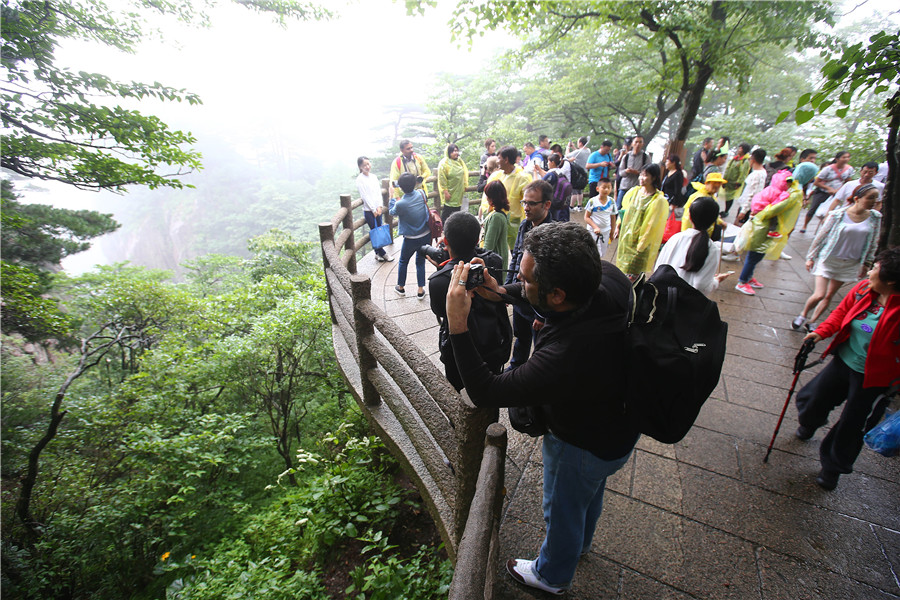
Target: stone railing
437,434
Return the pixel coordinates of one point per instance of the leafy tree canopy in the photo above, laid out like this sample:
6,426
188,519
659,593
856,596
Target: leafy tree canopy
688,41
36,237
64,126
851,77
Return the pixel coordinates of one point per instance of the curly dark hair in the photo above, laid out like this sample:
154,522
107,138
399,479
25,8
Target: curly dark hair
565,257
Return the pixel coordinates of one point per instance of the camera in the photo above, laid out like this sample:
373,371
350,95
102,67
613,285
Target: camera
476,276
438,254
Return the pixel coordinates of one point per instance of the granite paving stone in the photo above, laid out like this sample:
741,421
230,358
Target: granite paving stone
706,518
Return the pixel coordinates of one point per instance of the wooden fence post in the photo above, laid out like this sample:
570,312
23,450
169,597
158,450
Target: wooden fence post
361,290
350,244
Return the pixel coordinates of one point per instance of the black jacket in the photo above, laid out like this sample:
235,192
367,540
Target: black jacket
572,372
488,321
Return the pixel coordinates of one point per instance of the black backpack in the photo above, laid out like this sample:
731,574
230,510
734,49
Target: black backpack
674,351
488,321
579,176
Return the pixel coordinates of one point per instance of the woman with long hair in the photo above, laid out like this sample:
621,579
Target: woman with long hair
642,221
691,253
452,180
673,181
841,251
369,187
496,225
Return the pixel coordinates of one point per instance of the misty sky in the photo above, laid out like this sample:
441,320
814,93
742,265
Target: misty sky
318,88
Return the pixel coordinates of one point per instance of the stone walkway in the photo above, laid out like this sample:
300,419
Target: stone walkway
706,518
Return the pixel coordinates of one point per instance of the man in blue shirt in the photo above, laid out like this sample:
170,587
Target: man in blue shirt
598,164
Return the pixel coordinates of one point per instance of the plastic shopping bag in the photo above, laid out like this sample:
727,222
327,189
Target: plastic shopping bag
884,438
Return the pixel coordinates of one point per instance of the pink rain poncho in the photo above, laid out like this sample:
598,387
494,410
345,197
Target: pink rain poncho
773,194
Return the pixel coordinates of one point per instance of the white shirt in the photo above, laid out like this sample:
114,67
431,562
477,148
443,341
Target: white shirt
370,191
754,184
601,214
846,191
674,253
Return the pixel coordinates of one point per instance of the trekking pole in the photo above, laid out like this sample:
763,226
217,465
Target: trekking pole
799,365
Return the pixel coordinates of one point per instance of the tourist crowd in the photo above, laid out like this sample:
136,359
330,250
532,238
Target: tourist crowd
549,215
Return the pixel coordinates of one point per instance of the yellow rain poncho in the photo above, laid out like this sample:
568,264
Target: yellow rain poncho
641,231
786,212
417,167
452,176
701,192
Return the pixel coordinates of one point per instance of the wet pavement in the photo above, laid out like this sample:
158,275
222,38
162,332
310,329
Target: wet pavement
706,518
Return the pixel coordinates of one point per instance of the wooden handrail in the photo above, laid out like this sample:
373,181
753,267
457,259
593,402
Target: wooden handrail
435,432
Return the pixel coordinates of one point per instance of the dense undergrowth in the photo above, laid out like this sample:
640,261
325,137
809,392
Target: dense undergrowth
212,452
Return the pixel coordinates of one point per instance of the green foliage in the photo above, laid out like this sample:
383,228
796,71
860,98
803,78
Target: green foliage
39,235
860,68
25,310
679,45
36,237
283,549
385,576
57,131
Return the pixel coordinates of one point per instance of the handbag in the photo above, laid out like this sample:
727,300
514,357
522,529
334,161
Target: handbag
673,225
381,236
528,420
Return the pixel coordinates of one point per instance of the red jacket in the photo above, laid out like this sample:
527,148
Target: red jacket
883,358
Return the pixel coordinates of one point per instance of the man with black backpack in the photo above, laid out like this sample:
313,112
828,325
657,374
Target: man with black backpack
587,437
488,321
630,167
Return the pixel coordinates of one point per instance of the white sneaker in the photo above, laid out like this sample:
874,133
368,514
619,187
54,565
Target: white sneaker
523,571
786,256
731,257
797,323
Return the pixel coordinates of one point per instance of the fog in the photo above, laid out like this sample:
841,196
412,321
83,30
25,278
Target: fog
286,111
313,93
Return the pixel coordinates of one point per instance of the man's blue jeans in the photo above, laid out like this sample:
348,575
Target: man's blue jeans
619,197
523,330
574,481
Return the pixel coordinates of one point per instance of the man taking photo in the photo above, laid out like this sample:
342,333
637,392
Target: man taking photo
584,301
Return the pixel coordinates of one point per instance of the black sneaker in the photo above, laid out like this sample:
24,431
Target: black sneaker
827,480
804,433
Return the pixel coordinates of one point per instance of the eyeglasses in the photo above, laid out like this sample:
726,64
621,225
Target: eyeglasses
527,203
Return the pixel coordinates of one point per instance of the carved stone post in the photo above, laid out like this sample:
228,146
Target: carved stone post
350,244
360,290
326,235
471,424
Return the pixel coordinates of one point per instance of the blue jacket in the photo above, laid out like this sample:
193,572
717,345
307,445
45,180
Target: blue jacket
412,214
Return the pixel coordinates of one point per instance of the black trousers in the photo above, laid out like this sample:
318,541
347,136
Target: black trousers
446,211
829,389
523,330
